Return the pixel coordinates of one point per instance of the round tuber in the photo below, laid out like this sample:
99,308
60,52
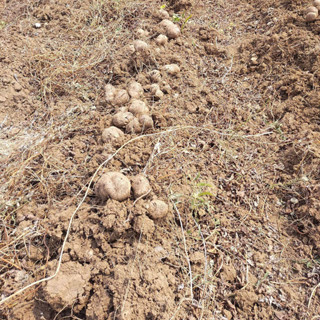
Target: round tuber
158,209
140,46
133,126
113,185
316,3
172,69
135,89
138,107
161,40
172,31
312,9
110,134
110,92
164,14
140,186
146,122
121,119
154,87
311,14
142,33
121,97
158,94
155,76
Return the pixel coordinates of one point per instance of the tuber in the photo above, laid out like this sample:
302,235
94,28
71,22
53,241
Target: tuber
133,126
172,31
311,14
155,76
161,40
110,134
140,46
146,122
113,185
140,186
172,69
121,119
135,89
138,107
157,209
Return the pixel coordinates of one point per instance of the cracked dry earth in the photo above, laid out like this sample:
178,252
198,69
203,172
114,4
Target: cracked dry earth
218,109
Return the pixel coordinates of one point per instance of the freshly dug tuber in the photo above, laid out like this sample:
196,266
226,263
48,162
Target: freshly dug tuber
172,69
110,92
140,46
110,134
140,186
155,76
138,107
156,92
161,40
133,126
312,9
121,97
172,30
135,89
316,3
158,209
113,185
146,122
311,14
158,95
142,33
164,14
121,119
154,87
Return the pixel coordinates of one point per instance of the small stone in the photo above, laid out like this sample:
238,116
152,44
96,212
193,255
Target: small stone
37,25
2,99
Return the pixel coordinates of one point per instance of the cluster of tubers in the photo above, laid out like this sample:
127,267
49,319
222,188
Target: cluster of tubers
133,117
133,113
311,13
116,186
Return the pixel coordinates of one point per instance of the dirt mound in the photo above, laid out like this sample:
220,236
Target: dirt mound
220,114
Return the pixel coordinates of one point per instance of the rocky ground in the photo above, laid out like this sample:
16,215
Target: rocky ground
228,138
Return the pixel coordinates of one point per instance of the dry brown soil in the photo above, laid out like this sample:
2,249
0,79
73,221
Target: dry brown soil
234,152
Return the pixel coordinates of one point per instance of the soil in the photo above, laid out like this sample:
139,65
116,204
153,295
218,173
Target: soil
234,152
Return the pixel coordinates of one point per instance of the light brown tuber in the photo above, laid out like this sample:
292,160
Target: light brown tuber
113,185
140,186
110,134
